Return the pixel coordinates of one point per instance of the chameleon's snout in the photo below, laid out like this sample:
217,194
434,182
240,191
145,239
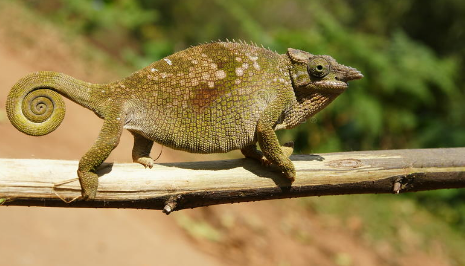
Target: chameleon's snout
351,74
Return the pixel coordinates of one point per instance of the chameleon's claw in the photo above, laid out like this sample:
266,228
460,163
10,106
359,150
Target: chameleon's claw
265,162
88,195
89,184
145,161
290,176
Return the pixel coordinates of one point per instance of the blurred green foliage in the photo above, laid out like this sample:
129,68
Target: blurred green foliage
411,53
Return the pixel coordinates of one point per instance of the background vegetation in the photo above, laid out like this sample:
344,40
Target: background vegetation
411,53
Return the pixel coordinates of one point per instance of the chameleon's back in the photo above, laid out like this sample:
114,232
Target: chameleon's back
207,98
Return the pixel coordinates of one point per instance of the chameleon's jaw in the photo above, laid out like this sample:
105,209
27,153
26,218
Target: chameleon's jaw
330,85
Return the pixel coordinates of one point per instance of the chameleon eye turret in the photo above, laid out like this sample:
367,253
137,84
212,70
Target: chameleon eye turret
215,97
318,67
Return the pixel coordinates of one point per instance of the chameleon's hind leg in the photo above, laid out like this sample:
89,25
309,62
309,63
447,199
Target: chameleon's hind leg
107,140
141,150
252,152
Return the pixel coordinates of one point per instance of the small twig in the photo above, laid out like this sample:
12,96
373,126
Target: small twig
171,204
397,186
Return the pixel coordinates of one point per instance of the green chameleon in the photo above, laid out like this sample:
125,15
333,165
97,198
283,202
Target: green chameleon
211,98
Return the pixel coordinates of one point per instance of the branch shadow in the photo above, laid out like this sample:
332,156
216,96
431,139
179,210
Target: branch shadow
251,165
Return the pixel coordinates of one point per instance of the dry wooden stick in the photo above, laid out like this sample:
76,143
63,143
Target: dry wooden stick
176,186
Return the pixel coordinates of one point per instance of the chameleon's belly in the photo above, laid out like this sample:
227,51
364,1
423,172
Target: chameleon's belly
215,129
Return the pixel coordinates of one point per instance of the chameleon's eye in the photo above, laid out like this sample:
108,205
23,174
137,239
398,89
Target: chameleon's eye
318,67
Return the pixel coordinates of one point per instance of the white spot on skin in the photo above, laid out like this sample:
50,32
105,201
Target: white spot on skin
211,84
239,72
281,80
163,75
237,81
256,65
153,69
205,76
168,61
195,62
214,66
238,59
245,66
251,57
103,91
118,118
220,74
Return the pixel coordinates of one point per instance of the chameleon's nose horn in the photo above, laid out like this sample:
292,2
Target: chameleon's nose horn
353,74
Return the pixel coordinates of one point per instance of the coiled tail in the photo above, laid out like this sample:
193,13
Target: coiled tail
34,105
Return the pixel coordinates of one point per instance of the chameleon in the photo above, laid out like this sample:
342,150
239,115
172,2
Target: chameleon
210,98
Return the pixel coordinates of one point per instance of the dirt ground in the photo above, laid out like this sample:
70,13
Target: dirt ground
261,233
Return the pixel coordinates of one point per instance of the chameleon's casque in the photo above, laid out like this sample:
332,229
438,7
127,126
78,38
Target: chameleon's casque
214,97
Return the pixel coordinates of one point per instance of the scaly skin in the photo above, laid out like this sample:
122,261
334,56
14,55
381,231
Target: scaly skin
210,98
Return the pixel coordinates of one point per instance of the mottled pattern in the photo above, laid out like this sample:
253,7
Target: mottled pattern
214,97
209,97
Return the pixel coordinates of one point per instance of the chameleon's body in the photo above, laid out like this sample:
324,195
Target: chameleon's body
214,97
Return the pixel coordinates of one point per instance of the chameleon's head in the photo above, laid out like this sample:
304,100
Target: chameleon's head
320,72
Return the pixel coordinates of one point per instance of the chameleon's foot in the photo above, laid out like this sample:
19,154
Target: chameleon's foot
254,153
287,149
264,161
290,175
145,161
287,167
89,184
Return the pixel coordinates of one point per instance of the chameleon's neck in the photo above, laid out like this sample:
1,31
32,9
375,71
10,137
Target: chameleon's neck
307,104
88,95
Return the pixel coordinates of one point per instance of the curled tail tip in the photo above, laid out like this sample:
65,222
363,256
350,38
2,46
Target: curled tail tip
33,108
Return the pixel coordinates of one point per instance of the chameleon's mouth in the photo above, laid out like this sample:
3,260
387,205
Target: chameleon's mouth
331,86
340,82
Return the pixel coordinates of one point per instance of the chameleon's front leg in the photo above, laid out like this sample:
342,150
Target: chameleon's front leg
268,140
107,140
141,150
270,147
251,151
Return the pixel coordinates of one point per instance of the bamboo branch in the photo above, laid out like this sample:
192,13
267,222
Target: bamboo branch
176,186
